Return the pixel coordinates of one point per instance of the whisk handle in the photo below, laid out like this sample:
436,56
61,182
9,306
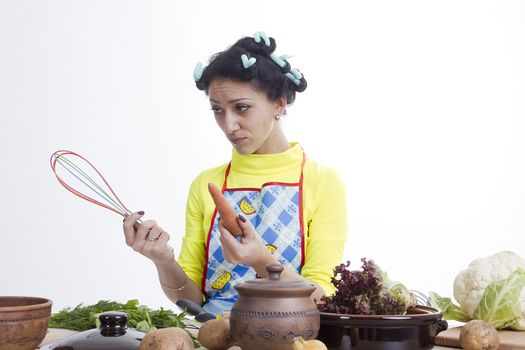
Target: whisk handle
137,224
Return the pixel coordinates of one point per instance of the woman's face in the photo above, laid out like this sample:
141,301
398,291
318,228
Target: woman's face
246,116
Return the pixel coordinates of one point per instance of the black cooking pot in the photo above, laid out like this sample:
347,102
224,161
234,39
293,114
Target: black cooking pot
113,334
413,331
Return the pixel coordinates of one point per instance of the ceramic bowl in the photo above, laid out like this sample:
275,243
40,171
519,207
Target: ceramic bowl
23,322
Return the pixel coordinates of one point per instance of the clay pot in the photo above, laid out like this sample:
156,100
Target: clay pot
270,312
23,322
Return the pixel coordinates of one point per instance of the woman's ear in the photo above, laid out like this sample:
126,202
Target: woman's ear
280,105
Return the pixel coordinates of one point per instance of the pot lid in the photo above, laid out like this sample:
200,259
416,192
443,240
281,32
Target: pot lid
275,285
112,334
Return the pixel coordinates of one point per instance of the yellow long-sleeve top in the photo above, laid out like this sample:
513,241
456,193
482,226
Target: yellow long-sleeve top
324,209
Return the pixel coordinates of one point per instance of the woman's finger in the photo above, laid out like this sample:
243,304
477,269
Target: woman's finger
163,239
162,250
142,232
249,233
154,233
230,246
227,238
129,230
246,226
152,244
144,228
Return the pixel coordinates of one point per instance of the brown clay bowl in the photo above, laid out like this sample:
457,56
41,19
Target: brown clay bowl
23,322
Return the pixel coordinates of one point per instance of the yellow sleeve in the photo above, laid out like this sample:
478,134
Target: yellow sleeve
192,254
326,230
199,210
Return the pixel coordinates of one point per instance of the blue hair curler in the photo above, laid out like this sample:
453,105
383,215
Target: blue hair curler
247,62
279,60
258,35
197,72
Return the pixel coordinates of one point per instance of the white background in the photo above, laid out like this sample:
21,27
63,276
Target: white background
420,105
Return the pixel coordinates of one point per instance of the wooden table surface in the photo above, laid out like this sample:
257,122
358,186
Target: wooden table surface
509,340
55,334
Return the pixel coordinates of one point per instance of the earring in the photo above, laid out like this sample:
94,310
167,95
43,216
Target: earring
277,117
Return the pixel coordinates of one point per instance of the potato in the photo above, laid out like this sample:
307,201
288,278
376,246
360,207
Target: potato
216,335
300,344
172,338
479,335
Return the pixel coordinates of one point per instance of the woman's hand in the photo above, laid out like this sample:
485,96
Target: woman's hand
149,239
250,250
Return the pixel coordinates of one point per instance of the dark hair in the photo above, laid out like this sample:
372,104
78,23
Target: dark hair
265,75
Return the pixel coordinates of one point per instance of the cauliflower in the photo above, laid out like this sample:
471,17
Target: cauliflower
490,289
470,284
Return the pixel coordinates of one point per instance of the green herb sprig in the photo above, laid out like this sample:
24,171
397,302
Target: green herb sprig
142,318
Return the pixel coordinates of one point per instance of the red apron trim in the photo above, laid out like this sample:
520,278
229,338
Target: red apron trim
301,219
225,188
206,247
258,189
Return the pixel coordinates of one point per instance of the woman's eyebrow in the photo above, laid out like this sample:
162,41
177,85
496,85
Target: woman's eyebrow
234,100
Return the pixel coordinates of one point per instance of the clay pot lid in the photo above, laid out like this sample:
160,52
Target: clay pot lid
275,285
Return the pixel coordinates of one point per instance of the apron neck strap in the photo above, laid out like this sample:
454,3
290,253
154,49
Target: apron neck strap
228,169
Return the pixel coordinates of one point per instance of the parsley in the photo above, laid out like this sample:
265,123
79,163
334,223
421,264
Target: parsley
84,317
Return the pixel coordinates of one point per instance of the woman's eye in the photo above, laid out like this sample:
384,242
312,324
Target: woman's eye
243,108
216,109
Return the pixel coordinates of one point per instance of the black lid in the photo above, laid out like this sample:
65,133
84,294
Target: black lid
112,334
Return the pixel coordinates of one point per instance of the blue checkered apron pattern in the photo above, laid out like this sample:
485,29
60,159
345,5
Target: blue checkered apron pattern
274,212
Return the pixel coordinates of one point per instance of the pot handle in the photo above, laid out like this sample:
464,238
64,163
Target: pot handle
441,325
195,309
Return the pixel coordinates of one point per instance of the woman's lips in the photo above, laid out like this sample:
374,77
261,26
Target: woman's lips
236,141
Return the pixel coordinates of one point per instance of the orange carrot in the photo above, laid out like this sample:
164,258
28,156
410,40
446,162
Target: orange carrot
228,217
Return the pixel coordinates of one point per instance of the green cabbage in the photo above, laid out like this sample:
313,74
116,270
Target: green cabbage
499,306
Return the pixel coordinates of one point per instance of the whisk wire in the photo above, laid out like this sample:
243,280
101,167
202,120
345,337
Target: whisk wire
61,158
102,194
421,298
114,204
81,195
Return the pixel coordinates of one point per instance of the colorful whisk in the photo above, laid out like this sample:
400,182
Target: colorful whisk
69,164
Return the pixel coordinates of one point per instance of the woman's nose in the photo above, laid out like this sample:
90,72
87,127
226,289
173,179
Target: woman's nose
231,123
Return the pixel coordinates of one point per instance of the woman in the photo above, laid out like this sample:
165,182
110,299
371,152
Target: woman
291,209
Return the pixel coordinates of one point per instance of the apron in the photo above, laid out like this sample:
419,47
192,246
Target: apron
276,212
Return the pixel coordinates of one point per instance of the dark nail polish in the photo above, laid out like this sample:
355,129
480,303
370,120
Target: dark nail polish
242,218
140,212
